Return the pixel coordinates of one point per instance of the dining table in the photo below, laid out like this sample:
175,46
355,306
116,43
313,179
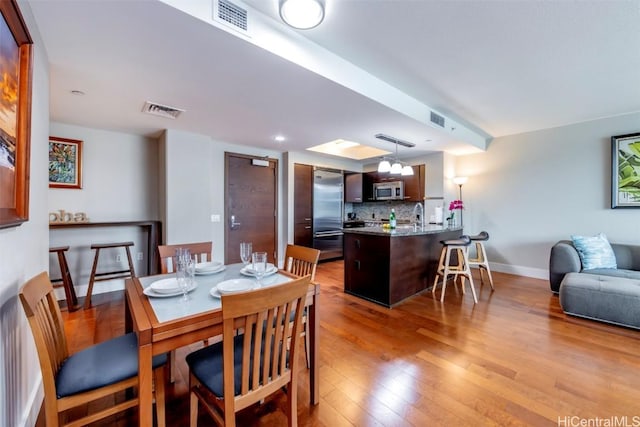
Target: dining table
164,322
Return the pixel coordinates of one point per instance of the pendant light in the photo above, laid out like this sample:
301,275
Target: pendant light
407,171
396,167
384,165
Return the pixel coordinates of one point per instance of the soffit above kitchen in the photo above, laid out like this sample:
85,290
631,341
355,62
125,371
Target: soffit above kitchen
395,65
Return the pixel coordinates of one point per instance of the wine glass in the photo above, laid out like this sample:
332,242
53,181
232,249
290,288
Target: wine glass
259,265
245,252
184,265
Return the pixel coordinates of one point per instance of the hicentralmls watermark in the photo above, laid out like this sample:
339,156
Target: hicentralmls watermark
612,421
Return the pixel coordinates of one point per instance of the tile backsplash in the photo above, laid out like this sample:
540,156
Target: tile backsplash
381,210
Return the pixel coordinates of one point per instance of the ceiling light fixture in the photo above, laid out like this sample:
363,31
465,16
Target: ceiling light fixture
279,138
384,166
397,168
302,14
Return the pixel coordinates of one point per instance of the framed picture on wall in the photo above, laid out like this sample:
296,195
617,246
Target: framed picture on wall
625,171
65,163
15,115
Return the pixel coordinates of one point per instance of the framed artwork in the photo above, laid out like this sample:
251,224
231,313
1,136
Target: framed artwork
15,115
625,171
65,163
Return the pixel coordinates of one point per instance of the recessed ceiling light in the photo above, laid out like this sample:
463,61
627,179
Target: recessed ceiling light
77,92
279,138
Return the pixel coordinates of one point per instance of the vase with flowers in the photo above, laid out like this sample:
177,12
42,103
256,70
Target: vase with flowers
453,207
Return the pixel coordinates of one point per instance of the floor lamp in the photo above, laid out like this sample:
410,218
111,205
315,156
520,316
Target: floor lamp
459,181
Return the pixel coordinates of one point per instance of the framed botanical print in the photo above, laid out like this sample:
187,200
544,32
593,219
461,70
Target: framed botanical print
65,163
625,171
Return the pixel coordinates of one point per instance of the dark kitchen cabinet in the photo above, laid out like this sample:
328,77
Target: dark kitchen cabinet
353,186
414,185
303,205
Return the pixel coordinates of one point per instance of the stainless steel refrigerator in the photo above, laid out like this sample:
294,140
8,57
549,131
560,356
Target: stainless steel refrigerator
327,212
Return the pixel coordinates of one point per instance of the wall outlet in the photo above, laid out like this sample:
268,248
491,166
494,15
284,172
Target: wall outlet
215,218
118,258
139,256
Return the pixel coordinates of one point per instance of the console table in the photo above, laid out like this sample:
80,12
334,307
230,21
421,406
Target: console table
152,228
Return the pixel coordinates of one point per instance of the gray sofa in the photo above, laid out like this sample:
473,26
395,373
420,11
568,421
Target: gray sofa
609,295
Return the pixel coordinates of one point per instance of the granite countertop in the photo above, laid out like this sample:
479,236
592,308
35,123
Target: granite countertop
401,230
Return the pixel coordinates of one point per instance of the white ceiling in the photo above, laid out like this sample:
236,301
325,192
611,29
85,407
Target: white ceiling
493,68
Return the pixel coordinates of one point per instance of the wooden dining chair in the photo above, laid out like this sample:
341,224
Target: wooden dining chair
201,250
300,261
246,367
73,380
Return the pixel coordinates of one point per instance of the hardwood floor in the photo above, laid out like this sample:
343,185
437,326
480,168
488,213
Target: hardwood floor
513,359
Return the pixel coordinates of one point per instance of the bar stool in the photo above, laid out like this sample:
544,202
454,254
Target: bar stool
446,268
480,260
108,275
65,279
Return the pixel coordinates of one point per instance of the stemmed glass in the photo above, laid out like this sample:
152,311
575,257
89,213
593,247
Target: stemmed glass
259,265
185,271
245,252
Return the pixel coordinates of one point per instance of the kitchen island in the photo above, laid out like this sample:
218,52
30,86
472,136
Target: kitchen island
388,266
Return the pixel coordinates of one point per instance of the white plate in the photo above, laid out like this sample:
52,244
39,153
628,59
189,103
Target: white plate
235,285
248,271
151,293
207,272
214,293
203,267
165,286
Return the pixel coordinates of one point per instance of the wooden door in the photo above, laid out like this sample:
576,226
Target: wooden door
251,205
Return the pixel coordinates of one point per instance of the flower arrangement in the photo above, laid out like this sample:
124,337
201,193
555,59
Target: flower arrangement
455,204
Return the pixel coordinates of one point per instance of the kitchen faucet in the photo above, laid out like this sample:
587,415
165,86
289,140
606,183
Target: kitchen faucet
420,216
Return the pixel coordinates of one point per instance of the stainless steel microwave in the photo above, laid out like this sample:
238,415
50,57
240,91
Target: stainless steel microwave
392,190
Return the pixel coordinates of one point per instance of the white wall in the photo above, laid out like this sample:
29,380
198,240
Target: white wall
533,189
23,254
119,183
194,182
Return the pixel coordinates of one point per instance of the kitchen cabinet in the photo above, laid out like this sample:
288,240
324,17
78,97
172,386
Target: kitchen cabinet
388,267
353,188
303,205
414,185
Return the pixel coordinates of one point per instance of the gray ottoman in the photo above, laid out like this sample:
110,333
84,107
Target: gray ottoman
609,299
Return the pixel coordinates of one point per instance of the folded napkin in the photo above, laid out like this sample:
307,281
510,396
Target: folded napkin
208,266
249,268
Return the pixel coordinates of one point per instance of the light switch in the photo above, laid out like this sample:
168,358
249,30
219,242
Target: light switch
215,218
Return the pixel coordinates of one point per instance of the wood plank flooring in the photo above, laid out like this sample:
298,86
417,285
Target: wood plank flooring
513,359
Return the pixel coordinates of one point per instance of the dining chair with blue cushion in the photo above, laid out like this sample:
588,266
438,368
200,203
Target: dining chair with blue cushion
300,261
73,380
245,368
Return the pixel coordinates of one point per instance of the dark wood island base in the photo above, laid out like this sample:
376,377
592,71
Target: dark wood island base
388,267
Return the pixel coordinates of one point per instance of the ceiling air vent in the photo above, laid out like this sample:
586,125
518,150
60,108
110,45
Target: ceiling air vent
394,140
230,14
437,119
161,110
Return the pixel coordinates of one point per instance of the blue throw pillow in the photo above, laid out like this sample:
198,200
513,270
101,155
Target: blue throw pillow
595,251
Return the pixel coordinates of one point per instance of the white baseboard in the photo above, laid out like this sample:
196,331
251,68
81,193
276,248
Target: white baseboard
33,405
519,270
